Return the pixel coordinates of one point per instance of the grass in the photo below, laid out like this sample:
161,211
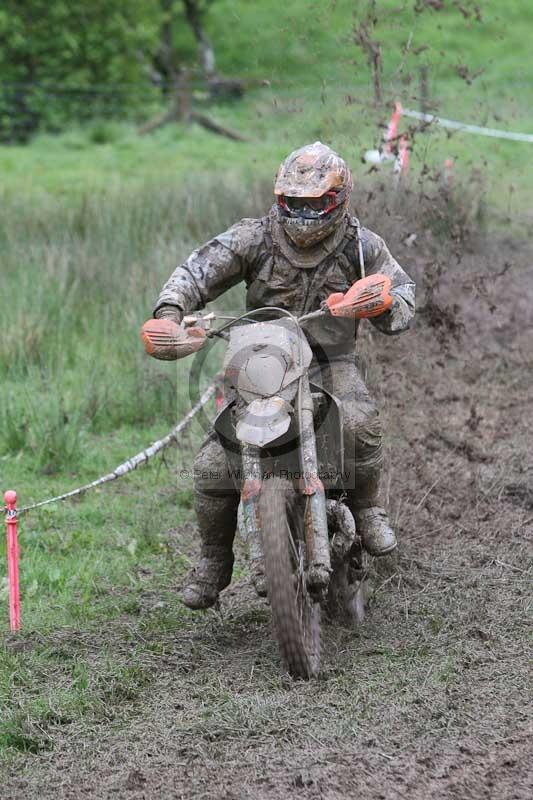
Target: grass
275,123
296,33
70,354
319,88
91,224
78,396
85,565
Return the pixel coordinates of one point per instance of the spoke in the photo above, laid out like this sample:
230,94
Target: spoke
295,554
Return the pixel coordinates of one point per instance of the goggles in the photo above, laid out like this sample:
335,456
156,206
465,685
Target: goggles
310,207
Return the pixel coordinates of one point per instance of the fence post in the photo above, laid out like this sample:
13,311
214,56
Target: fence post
390,136
10,500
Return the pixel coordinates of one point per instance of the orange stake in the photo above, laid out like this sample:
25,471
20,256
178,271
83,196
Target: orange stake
391,132
10,500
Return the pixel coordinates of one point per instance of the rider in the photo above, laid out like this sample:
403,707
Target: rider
306,248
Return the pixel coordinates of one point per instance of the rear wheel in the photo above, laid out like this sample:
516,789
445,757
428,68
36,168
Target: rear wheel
295,614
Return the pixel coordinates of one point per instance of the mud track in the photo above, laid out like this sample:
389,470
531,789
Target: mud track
429,699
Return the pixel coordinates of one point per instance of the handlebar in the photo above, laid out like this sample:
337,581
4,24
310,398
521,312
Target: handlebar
164,339
192,320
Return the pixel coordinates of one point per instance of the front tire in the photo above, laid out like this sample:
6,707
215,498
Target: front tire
295,614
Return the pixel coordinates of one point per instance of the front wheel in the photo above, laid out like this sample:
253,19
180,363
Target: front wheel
295,614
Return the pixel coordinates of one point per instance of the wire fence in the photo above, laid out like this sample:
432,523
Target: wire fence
30,106
135,461
27,107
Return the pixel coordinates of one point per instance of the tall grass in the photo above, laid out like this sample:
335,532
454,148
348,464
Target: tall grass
79,277
77,281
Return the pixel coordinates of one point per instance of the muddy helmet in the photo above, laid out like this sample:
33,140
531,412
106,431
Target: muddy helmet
312,188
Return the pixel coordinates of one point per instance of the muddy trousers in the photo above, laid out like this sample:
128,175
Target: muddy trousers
216,499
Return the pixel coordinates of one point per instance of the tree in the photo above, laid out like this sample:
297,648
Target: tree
171,62
195,12
175,72
69,60
62,60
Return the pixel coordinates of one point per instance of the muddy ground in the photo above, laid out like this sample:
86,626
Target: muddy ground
429,698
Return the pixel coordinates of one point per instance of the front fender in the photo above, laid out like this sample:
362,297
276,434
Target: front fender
264,421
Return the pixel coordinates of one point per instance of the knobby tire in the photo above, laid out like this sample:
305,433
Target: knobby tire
295,615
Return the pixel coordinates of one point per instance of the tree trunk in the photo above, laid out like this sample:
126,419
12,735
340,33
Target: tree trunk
206,54
166,55
182,94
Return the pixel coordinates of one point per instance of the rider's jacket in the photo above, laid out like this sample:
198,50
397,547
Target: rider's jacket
250,251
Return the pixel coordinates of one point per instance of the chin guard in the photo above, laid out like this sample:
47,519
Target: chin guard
368,297
168,341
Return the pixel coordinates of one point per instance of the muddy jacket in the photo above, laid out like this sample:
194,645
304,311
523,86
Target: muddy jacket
249,252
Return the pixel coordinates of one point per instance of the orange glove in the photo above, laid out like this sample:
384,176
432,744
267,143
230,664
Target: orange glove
168,341
368,297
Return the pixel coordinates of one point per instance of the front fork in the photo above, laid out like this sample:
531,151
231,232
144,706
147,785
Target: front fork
315,519
251,489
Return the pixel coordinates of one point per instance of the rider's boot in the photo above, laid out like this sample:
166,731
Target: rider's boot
371,519
217,518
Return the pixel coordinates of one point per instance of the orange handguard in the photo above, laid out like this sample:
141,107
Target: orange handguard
168,341
368,297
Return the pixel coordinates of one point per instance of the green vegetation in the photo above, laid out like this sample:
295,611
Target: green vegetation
77,397
70,355
62,61
319,87
85,565
93,220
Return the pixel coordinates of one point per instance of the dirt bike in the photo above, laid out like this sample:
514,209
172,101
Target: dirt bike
283,438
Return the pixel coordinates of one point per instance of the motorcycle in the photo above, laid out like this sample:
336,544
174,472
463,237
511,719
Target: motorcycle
282,434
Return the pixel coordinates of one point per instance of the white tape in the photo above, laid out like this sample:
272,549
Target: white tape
135,461
461,126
